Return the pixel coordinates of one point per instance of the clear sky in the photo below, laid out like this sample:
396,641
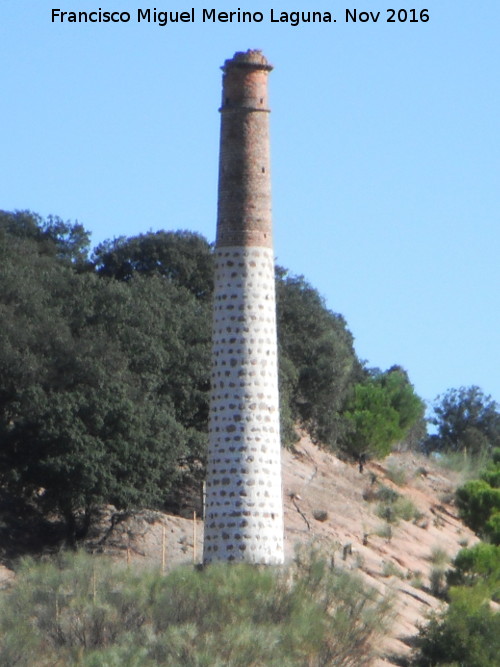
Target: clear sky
385,154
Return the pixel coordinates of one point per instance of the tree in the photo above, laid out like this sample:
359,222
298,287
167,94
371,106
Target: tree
104,367
467,421
317,360
374,421
103,384
68,241
183,257
381,411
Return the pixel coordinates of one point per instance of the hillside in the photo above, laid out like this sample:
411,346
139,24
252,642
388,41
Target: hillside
397,557
331,503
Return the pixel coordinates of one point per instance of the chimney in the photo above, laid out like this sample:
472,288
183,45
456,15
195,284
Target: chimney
244,508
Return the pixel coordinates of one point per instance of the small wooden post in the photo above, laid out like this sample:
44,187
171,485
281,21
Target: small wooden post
163,550
194,537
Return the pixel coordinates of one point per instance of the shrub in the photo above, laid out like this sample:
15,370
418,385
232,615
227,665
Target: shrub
400,508
406,510
392,570
396,474
417,580
491,475
479,564
492,528
385,531
437,582
467,633
387,495
87,611
439,556
477,501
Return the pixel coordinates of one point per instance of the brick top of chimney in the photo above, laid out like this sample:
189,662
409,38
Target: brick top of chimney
252,59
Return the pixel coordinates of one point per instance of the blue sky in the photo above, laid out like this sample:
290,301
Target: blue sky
385,155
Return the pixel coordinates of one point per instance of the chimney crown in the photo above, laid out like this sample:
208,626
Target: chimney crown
251,59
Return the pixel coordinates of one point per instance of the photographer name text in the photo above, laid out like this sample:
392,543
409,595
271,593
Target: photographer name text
292,18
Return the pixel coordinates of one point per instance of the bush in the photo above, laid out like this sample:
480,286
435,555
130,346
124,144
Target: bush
491,475
391,570
439,556
396,507
492,528
396,474
88,611
467,633
479,564
477,501
437,582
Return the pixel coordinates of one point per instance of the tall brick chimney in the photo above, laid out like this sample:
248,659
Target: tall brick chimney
243,508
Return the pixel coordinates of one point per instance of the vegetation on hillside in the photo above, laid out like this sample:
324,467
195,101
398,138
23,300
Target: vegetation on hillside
382,411
104,385
87,611
467,632
104,369
478,501
467,421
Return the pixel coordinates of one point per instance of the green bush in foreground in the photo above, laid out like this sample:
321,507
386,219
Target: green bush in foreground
87,611
467,634
479,564
479,506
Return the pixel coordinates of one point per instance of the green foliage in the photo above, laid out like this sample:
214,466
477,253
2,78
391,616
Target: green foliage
491,475
479,504
400,508
396,474
467,633
492,528
65,240
386,494
439,556
391,570
467,420
393,506
382,410
437,582
104,368
183,257
86,611
479,564
103,384
374,421
317,361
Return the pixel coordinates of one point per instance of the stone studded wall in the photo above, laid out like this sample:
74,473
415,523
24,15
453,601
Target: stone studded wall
243,507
